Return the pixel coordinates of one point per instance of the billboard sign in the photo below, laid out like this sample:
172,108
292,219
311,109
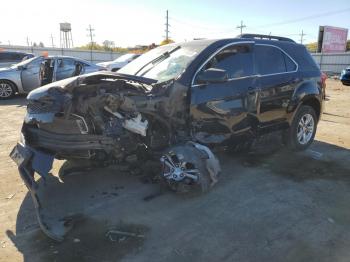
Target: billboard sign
332,39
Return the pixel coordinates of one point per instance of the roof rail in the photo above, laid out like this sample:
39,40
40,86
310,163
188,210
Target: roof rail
268,37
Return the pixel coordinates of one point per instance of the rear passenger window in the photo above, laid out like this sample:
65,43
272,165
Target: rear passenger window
237,60
271,60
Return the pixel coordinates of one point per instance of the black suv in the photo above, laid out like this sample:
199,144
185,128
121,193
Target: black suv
172,104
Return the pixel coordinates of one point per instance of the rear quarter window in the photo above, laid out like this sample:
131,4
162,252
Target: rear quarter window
271,60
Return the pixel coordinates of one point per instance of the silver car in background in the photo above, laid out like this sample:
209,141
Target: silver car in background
118,63
38,71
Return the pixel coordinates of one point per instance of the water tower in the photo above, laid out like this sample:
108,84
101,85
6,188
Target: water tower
66,40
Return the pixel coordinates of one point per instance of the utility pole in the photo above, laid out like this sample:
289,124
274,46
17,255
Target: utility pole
28,42
167,26
302,36
91,35
241,26
52,44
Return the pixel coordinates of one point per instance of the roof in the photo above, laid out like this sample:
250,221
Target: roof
262,39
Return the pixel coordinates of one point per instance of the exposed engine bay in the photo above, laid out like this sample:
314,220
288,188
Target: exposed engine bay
112,121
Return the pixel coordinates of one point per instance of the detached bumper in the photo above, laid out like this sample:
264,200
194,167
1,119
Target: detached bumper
30,161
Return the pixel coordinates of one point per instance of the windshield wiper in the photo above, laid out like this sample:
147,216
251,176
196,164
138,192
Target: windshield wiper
157,60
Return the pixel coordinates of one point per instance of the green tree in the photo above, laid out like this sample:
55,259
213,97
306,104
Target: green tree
165,41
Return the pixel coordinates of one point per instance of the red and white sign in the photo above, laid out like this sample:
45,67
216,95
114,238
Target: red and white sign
334,39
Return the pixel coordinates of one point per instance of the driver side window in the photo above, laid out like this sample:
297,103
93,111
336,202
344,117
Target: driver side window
236,60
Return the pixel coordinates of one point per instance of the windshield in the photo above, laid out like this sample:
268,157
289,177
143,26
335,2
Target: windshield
24,63
173,60
124,58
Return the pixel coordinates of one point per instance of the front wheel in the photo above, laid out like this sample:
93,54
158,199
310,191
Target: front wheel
303,129
7,89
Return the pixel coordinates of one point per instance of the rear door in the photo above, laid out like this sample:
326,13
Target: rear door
65,68
220,110
30,74
277,81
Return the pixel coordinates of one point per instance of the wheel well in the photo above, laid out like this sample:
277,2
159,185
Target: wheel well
315,104
12,83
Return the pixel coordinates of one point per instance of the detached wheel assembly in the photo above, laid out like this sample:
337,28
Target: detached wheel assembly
190,168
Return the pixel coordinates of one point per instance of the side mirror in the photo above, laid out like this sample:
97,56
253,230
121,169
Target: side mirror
212,75
21,67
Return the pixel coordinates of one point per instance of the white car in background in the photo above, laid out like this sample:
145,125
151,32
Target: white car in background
118,63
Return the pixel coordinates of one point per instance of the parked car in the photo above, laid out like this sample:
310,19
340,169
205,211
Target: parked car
9,58
345,76
118,63
25,76
173,103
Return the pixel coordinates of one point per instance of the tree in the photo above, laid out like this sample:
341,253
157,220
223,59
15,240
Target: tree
108,45
41,44
312,47
165,42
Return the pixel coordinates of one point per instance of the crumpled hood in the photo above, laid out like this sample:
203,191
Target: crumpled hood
69,83
43,90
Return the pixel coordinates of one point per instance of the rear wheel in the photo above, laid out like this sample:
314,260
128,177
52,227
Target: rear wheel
7,89
303,129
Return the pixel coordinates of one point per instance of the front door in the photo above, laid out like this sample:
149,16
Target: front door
222,110
30,74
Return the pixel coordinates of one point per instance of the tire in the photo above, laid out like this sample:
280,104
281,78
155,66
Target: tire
7,89
302,131
190,155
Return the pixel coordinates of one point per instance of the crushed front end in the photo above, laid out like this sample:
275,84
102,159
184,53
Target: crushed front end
105,119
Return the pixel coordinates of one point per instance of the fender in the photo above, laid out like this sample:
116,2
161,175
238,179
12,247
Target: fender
310,90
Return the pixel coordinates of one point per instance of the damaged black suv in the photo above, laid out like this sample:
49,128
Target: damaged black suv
171,105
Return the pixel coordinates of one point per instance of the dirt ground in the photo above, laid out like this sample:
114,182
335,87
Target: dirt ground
271,205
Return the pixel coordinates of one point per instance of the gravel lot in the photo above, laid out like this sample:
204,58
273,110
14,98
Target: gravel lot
271,205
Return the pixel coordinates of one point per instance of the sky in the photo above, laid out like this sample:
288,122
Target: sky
135,22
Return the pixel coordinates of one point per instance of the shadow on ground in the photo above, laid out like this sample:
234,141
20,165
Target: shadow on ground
270,205
19,100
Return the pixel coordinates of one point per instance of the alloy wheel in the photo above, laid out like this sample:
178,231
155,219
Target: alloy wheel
5,90
305,129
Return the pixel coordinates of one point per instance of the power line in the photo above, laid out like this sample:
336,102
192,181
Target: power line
91,35
167,26
302,36
306,18
52,43
241,27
